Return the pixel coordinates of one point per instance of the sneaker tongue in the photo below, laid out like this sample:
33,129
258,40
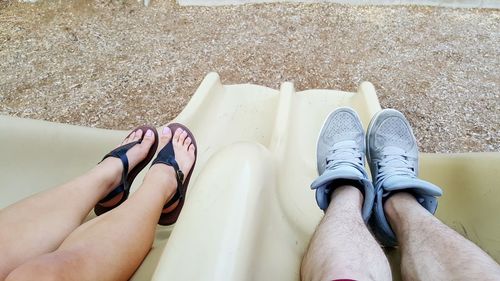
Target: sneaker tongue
415,185
324,189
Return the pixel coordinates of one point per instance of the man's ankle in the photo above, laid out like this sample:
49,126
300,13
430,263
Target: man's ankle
400,207
347,194
398,202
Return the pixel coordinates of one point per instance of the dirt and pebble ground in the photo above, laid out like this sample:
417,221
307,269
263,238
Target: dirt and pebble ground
115,64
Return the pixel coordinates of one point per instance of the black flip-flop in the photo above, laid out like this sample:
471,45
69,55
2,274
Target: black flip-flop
167,156
127,177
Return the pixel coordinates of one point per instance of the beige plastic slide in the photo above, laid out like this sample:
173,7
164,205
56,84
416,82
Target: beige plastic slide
249,212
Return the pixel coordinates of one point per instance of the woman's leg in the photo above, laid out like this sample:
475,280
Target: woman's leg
112,246
38,224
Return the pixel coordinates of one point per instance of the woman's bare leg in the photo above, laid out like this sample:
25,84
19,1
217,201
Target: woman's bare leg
112,246
38,224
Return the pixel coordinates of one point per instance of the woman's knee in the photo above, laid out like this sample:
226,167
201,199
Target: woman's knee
48,268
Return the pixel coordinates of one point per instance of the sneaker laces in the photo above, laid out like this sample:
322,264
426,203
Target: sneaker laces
345,153
394,162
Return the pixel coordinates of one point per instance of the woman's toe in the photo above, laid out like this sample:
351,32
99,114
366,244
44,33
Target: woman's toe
177,134
137,135
187,142
148,139
128,139
182,137
166,135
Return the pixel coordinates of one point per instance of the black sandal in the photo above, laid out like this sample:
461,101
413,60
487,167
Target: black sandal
167,156
127,177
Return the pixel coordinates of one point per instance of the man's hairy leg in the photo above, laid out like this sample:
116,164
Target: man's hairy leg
342,247
430,250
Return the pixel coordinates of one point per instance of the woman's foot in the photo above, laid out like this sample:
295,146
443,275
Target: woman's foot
164,175
113,166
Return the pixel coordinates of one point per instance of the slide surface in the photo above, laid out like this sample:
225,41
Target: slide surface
249,212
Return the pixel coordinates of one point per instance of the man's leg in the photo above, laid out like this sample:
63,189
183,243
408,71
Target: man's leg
431,250
38,224
112,246
342,247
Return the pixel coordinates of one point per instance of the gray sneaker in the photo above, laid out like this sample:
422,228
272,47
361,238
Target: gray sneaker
393,158
341,159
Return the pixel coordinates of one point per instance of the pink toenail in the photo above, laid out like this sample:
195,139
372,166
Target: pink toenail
149,133
165,131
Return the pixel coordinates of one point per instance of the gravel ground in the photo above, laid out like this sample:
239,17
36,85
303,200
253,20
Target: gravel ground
114,64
